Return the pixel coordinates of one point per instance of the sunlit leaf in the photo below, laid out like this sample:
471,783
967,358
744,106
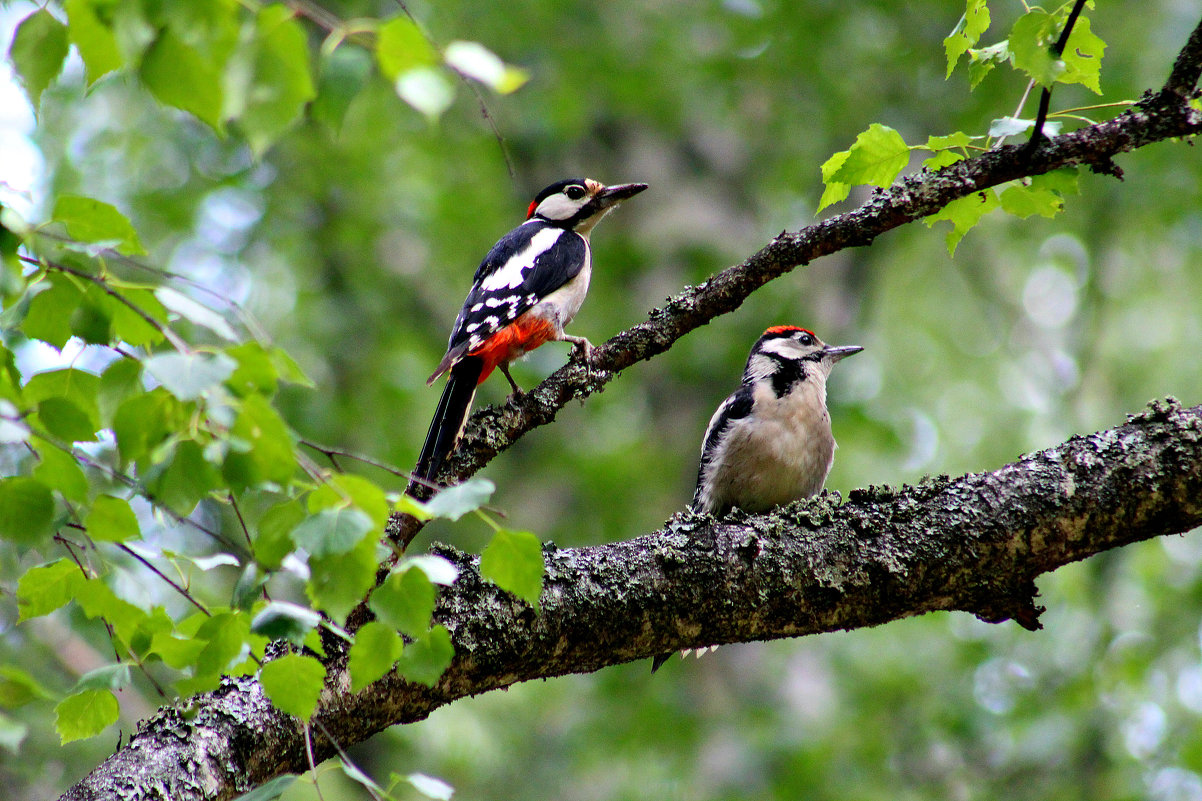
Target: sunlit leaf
46,588
38,51
90,220
438,569
293,683
968,31
48,316
963,214
429,786
347,488
93,38
876,158
178,75
427,90
1083,57
106,677
196,312
479,63
85,714
376,649
1025,201
1031,41
188,376
513,560
337,583
400,47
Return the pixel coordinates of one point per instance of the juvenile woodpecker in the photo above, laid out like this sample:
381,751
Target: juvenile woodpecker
527,289
770,442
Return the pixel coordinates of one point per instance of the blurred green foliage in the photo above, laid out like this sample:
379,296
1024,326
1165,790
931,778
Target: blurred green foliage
353,251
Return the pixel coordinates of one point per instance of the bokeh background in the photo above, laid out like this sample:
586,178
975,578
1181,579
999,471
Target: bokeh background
354,252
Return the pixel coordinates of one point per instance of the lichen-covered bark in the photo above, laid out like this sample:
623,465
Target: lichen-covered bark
975,543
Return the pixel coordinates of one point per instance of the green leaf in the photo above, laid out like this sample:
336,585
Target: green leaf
283,620
1063,181
1083,57
129,321
273,535
942,159
256,372
876,158
189,376
61,472
454,502
18,688
91,321
93,38
967,33
400,47
271,790
97,600
375,651
338,582
425,659
48,317
281,81
77,386
185,479
427,90
26,510
65,420
342,75
983,61
90,220
293,683
38,51
437,568
105,677
225,635
332,531
963,214
111,520
834,191
481,64
513,561
957,139
144,421
347,488
405,601
1031,41
43,589
120,381
268,456
85,714
1025,201
178,75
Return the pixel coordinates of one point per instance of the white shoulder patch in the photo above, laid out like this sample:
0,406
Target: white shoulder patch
512,273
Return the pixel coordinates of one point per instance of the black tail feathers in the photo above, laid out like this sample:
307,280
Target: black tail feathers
449,417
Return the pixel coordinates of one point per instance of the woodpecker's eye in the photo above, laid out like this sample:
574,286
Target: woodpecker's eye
574,192
805,339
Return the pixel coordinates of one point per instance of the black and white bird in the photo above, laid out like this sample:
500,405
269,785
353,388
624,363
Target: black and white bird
770,442
527,289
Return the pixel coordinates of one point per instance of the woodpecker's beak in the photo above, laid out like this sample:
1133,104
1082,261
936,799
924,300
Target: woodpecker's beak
841,352
609,196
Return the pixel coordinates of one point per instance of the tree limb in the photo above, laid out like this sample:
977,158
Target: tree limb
975,543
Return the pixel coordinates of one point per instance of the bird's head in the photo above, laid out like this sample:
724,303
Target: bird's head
787,345
579,203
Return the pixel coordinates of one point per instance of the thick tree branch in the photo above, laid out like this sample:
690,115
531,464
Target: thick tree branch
975,543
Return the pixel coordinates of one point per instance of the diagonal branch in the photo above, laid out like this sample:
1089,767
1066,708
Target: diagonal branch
975,543
1159,116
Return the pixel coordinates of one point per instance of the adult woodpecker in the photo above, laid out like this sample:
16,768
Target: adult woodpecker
770,442
527,289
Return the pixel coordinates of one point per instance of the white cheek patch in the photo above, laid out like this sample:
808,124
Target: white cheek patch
513,272
786,348
559,207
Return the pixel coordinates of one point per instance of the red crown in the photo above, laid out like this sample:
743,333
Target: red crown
784,329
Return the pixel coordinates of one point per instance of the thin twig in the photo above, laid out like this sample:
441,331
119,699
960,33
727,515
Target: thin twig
1045,98
146,563
331,453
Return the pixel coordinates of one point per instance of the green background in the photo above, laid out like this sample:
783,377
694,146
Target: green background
354,252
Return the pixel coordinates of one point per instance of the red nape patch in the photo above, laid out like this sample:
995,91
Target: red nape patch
530,211
785,329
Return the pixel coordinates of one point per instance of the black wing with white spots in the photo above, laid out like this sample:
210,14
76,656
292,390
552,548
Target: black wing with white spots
526,265
735,407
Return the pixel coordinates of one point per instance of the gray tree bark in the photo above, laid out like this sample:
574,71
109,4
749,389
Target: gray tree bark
975,543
